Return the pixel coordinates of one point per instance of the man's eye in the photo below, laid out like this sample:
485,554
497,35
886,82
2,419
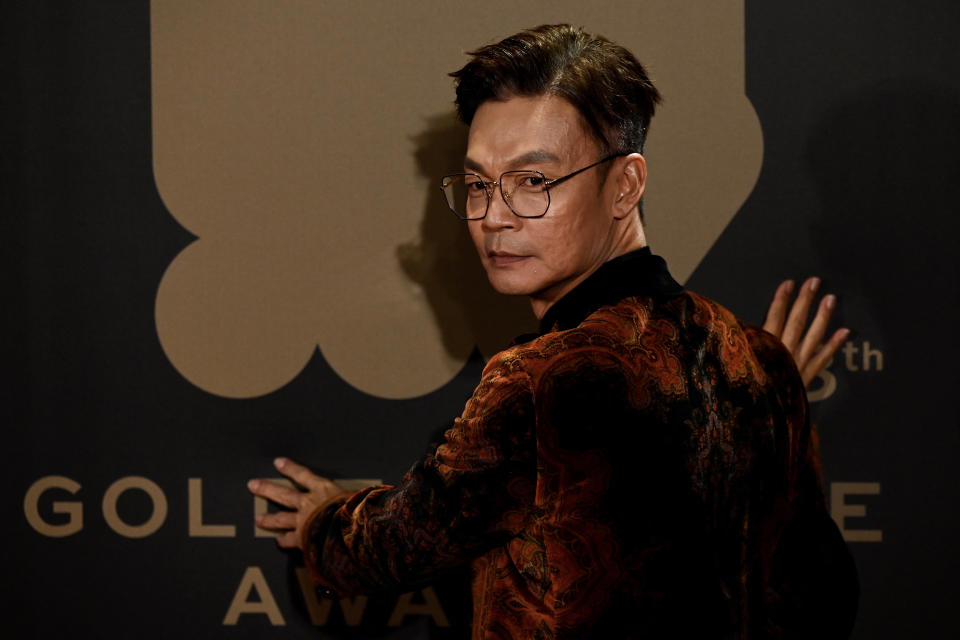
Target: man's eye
532,181
475,187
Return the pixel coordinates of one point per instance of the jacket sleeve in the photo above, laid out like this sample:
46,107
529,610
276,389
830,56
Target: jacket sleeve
813,590
468,495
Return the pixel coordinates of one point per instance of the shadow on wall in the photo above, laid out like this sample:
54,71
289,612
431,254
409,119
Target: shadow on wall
444,262
885,165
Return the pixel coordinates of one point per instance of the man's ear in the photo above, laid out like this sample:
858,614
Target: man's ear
631,183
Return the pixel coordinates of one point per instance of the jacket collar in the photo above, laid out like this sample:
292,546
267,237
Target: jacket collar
637,273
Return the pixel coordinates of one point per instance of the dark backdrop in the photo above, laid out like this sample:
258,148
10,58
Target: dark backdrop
859,104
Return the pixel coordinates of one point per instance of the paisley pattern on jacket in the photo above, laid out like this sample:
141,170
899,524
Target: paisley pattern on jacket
649,472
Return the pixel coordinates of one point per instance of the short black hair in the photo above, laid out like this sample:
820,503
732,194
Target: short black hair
602,80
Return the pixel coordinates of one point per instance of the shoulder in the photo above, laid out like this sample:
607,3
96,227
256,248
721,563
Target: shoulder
505,387
747,356
599,360
744,350
641,338
597,339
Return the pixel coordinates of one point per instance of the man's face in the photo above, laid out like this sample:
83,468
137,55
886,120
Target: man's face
540,257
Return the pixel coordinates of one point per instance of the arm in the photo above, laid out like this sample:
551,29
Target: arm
809,351
812,589
465,497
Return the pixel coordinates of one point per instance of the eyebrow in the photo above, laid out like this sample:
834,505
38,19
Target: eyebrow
531,157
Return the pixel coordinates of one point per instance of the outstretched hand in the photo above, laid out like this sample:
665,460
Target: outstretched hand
809,351
290,524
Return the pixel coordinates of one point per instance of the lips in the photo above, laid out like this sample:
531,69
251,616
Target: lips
500,258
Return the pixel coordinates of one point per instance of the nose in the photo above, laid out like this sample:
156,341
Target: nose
499,215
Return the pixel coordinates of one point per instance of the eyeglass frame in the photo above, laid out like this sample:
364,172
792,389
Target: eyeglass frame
488,187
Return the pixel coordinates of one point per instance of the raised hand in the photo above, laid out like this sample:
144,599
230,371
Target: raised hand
806,344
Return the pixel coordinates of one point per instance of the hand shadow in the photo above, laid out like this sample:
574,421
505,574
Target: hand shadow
444,262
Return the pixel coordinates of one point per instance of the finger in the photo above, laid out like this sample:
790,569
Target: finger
271,491
822,358
303,476
289,540
777,312
797,320
814,336
279,521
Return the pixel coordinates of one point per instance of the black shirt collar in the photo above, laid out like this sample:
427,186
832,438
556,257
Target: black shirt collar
637,273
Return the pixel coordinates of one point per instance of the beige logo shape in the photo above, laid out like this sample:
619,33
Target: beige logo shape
302,142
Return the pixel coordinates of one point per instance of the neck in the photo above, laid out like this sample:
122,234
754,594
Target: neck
631,239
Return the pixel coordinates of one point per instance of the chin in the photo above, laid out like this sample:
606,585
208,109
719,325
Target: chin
509,284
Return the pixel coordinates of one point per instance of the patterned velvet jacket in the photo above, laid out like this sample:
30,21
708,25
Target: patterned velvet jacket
644,468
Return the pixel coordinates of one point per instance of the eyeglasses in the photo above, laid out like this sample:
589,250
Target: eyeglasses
527,193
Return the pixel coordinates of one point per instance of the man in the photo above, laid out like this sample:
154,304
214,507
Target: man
643,467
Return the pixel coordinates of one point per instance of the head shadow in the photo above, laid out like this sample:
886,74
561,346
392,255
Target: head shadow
884,164
444,262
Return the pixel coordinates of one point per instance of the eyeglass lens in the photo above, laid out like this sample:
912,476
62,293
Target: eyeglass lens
525,192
